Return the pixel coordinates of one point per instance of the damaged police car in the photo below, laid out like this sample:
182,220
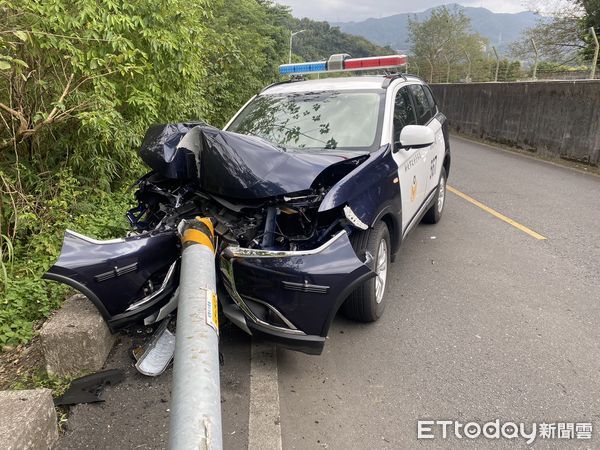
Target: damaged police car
311,187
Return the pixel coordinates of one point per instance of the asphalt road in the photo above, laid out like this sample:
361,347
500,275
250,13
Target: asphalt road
483,322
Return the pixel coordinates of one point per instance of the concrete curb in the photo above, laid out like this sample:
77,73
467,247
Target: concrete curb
27,419
76,339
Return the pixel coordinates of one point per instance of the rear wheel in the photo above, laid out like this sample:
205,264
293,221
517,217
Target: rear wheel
367,302
434,213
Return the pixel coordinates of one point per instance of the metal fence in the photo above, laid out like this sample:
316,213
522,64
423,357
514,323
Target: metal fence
492,68
460,74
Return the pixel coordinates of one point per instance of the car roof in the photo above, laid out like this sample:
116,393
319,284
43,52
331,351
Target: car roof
374,82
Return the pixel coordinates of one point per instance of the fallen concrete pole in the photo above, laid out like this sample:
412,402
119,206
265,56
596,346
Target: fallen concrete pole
196,393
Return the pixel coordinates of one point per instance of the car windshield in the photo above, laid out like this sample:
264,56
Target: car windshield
315,120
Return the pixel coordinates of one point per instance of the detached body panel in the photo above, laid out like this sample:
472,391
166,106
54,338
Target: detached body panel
124,278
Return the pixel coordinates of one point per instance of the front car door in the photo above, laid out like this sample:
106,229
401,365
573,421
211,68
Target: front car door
427,115
411,162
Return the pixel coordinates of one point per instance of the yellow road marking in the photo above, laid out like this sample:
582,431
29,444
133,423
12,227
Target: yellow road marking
495,213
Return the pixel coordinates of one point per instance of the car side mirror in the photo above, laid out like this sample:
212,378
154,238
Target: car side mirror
415,136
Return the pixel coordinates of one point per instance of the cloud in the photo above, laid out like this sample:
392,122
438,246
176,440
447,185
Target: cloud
357,10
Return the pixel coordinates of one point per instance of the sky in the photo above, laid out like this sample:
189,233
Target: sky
357,10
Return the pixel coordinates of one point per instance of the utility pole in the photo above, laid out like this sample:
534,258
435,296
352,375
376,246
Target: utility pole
196,394
595,59
448,69
292,34
535,64
431,71
468,79
497,64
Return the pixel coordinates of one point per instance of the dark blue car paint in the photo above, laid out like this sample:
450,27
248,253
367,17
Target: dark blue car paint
103,271
372,190
232,165
242,167
159,151
336,268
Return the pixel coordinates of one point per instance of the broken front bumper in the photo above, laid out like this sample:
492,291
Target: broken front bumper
116,274
291,297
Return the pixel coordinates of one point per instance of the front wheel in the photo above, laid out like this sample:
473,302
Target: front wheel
434,213
367,302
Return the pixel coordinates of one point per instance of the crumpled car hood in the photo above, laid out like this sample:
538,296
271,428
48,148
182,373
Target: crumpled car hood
234,165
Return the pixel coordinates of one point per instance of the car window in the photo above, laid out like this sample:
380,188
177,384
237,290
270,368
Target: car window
315,121
404,112
422,106
431,100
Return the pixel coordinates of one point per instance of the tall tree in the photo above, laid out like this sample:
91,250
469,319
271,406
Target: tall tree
562,34
591,19
444,38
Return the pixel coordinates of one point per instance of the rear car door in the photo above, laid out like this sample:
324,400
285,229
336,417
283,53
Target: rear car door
426,110
411,162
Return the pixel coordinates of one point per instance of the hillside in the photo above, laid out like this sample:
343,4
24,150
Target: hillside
500,28
320,40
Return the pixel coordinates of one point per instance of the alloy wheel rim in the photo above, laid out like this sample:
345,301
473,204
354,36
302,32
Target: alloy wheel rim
441,194
381,270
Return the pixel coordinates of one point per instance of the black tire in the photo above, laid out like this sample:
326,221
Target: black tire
362,304
434,214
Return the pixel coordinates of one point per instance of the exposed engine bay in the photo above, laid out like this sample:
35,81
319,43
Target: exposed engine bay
289,221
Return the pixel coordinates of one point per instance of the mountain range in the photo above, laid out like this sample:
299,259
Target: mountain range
500,28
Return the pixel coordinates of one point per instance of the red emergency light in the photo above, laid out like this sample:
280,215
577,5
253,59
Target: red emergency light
374,62
344,63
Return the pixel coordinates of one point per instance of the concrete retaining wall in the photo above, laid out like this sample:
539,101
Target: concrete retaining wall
554,118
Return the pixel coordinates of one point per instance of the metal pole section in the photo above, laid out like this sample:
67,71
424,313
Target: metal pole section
468,80
292,34
497,64
291,37
431,71
448,69
196,393
595,59
417,66
535,64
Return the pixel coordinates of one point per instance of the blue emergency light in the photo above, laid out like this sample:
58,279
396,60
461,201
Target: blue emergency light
343,63
308,67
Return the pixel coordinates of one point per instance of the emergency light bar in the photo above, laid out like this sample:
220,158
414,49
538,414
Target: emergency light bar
343,63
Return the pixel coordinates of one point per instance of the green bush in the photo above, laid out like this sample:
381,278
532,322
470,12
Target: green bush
80,82
68,204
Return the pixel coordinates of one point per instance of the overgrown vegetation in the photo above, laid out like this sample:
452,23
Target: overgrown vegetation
80,82
562,35
445,48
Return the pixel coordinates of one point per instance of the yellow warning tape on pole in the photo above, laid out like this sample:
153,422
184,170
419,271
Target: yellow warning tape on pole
199,237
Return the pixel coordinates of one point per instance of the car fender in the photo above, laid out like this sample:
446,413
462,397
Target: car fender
371,190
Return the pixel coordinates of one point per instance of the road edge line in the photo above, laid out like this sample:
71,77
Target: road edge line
496,214
264,423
